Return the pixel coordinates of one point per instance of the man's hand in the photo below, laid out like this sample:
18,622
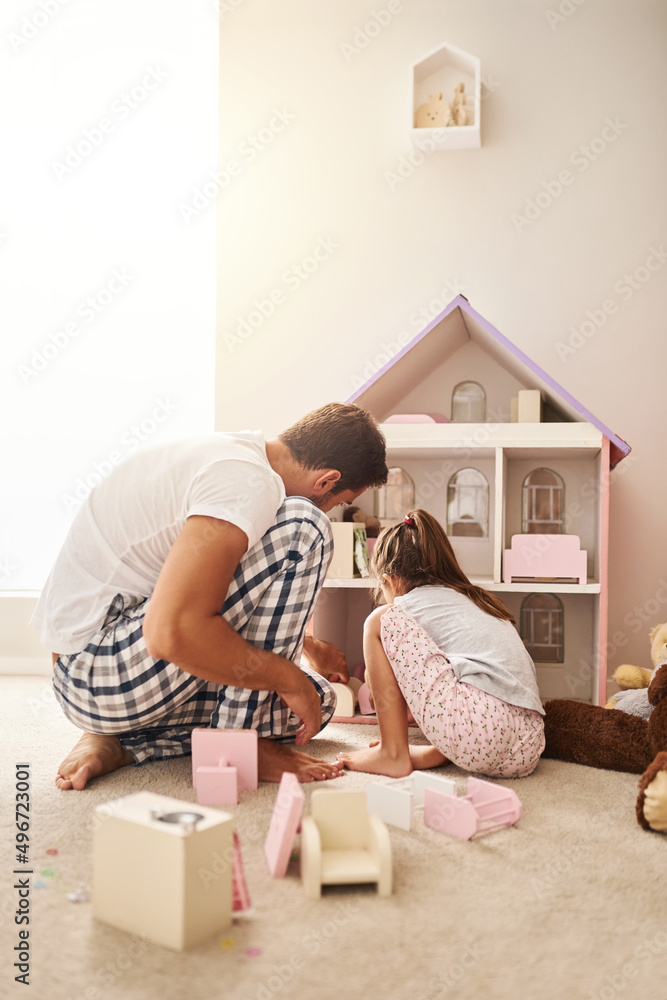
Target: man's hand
326,659
302,698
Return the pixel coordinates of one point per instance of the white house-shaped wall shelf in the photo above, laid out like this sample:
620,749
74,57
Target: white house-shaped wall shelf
440,72
564,461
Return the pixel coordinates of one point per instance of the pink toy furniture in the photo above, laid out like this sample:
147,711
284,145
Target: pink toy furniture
485,807
341,844
284,824
240,895
364,699
395,800
417,418
224,762
360,669
554,556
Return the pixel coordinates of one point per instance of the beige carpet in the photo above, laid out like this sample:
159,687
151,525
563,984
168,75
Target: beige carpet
570,903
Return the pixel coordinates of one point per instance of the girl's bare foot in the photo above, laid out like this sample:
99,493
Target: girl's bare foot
424,757
274,758
93,756
377,760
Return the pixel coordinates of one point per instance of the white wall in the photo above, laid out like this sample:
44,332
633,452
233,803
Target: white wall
107,299
335,114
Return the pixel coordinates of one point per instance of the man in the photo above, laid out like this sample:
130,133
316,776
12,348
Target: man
182,592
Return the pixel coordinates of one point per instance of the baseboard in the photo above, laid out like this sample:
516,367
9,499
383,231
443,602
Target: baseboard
25,666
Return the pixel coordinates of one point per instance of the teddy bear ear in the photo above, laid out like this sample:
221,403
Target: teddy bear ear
654,632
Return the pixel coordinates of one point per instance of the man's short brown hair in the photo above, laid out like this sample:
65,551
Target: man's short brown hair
340,436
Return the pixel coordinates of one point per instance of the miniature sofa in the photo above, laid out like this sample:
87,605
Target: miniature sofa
535,556
342,844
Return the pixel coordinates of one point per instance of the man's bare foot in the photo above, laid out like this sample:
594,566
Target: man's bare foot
274,758
93,756
377,760
424,757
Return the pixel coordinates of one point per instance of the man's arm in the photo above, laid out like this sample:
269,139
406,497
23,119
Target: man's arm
326,659
183,622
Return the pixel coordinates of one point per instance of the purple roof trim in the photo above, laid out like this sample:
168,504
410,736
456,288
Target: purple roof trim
619,448
454,304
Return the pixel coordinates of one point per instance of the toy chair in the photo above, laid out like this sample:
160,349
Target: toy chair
342,844
485,807
552,556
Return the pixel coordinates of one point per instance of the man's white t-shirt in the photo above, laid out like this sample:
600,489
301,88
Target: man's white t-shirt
121,535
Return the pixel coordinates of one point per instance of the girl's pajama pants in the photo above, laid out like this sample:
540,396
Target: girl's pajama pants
473,729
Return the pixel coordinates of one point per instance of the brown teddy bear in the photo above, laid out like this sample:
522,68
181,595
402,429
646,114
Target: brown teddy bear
619,741
635,680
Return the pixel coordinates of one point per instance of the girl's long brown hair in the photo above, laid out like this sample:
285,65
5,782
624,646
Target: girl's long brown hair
421,553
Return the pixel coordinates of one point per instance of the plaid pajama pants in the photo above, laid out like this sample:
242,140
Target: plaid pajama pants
114,687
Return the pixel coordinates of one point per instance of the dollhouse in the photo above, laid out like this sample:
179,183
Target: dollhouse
517,471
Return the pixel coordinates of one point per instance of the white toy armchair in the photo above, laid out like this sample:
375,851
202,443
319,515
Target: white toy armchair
342,844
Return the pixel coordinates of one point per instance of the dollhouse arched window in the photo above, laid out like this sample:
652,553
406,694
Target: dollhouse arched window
468,403
468,504
396,498
541,627
543,503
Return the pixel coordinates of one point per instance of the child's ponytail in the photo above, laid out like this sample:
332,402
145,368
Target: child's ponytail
418,552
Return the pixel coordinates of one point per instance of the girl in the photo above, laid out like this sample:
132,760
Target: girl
449,652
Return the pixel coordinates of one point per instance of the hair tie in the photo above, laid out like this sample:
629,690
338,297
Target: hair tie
409,520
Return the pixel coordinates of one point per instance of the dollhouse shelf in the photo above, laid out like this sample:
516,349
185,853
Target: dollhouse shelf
440,71
526,587
533,587
420,440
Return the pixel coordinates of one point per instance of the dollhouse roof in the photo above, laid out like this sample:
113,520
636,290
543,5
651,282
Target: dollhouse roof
436,343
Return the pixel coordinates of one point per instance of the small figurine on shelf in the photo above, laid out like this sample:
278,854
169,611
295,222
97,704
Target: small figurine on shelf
460,106
434,113
359,517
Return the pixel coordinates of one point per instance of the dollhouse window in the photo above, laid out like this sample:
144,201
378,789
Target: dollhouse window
468,403
543,503
396,498
468,504
541,627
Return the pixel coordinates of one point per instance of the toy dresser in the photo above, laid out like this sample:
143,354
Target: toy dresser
147,852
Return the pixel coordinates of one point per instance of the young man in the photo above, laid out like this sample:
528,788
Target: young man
182,592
